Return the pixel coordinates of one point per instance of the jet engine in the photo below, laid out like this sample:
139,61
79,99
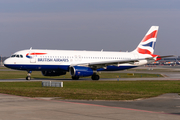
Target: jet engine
80,71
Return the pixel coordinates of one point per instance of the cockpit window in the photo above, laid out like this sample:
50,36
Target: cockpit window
17,56
13,55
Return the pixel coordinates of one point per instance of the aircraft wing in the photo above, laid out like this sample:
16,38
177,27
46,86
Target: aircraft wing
102,64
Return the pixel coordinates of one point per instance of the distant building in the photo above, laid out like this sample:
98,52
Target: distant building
167,61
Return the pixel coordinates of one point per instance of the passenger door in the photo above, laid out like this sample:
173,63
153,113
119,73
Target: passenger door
33,57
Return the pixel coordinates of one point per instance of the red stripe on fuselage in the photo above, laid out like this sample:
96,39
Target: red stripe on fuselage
36,54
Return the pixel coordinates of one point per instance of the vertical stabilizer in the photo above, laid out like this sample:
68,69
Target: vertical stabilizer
147,45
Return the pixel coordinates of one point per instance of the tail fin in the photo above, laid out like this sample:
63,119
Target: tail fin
147,45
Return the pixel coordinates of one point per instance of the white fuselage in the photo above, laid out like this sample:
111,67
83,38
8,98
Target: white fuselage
62,59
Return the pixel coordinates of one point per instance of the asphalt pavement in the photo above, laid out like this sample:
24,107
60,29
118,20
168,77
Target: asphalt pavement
165,107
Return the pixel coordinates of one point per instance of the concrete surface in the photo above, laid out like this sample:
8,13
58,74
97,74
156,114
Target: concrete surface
24,108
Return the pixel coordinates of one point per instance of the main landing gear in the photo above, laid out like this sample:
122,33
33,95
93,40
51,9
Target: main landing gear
29,75
95,77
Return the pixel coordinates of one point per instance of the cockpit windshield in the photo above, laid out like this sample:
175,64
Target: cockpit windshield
17,56
13,55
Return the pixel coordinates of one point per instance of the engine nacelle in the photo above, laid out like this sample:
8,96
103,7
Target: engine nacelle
80,71
53,73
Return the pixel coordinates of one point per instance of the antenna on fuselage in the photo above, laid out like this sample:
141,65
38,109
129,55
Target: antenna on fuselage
30,50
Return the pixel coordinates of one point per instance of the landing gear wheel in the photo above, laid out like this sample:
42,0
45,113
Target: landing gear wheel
75,77
28,78
29,75
95,77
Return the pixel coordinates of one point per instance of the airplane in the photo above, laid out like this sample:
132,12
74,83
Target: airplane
84,63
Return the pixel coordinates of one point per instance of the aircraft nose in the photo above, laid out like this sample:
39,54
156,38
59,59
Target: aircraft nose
7,61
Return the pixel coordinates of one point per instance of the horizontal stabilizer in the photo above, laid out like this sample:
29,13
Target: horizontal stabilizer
166,56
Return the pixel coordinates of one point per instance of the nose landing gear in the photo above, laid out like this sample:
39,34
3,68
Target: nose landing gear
29,75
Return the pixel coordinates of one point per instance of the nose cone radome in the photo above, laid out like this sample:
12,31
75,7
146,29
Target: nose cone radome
7,62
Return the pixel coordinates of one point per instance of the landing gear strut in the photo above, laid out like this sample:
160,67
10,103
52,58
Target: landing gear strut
29,75
95,77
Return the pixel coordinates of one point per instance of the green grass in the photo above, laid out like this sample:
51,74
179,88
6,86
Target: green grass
93,90
38,75
89,90
2,67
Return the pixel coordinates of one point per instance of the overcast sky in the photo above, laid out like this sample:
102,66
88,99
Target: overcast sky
112,25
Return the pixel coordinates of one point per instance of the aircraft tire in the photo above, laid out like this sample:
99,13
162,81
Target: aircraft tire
95,77
28,78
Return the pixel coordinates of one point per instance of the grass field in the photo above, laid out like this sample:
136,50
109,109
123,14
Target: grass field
89,90
93,90
37,75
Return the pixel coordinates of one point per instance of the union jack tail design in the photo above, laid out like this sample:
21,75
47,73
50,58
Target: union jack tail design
147,45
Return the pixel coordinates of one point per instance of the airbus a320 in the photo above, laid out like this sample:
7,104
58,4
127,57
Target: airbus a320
84,63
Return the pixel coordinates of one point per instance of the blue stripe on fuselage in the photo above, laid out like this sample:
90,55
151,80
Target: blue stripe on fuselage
38,67
61,67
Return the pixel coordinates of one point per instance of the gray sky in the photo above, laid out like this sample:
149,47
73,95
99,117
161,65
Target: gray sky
112,25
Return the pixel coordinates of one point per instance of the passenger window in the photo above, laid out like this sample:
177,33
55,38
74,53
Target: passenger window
21,56
17,55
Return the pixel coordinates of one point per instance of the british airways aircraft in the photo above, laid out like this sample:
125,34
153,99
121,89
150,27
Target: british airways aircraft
84,63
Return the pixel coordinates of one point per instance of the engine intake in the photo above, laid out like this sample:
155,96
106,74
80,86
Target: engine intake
80,71
53,73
